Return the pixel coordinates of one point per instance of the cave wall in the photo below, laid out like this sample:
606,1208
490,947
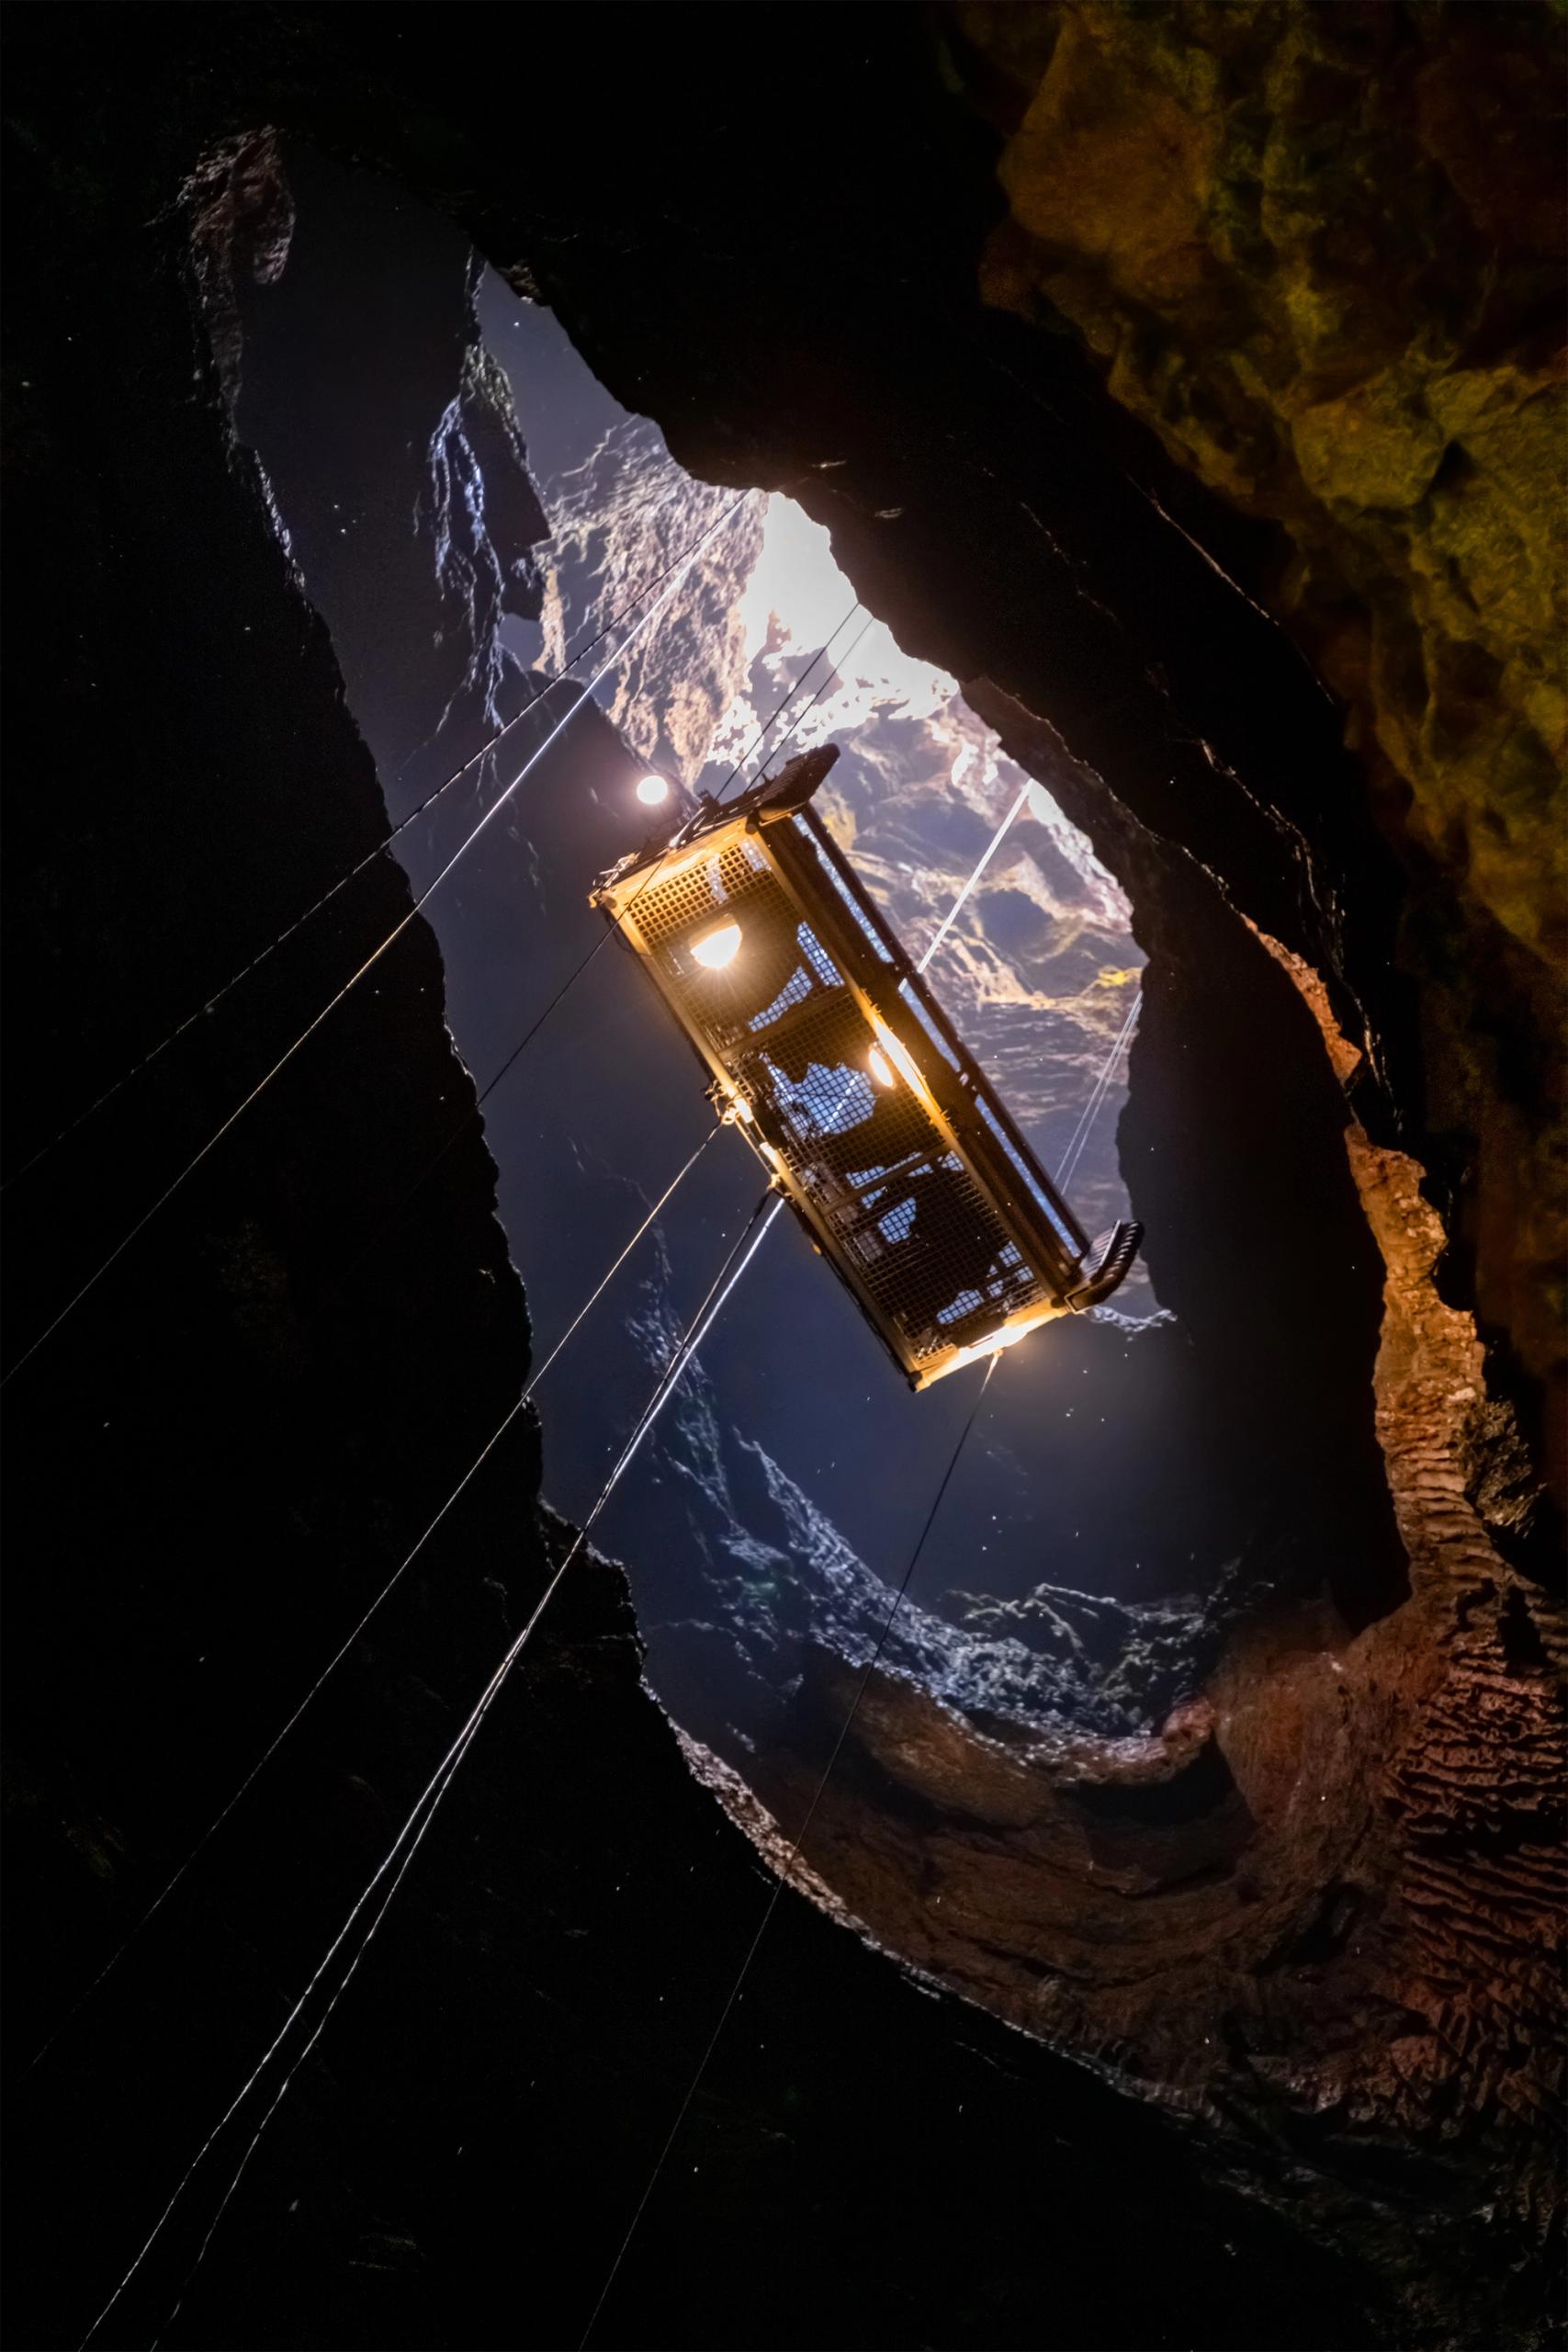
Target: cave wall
214,1464
1385,2029
1319,251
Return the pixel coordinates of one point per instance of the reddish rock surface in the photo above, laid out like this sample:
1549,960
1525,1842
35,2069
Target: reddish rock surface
1318,1911
1309,1913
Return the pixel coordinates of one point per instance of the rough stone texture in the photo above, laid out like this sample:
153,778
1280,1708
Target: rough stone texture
1319,249
241,215
214,1467
1305,1913
1319,1910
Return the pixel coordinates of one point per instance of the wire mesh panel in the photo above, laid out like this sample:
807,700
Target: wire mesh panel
810,1016
908,1217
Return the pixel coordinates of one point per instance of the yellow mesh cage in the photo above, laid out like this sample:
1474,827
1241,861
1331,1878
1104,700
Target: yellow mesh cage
837,1065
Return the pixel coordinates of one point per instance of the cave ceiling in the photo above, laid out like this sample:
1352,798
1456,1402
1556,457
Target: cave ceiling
1184,383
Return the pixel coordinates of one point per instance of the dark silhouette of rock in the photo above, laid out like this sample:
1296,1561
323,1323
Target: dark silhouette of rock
1304,1915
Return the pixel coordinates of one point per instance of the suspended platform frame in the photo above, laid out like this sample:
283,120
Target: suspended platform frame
826,1048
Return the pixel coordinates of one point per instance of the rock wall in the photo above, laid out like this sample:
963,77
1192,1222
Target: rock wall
1319,251
213,1467
1324,1880
1315,1912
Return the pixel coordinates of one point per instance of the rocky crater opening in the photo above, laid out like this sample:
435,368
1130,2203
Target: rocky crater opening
1140,1478
1255,1823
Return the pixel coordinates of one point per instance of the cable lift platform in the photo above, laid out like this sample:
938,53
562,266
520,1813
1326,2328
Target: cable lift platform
827,1050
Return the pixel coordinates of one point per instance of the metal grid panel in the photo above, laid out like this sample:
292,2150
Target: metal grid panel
1069,1240
909,1221
922,1012
905,1218
935,1258
702,888
815,1068
810,834
736,883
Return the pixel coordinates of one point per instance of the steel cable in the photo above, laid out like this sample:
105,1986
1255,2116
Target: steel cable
382,1596
354,977
423,1810
987,855
419,1181
782,1879
213,1001
578,970
1102,1087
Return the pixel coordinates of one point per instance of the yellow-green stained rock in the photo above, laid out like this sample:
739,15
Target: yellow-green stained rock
1319,247
1113,167
1375,445
1315,248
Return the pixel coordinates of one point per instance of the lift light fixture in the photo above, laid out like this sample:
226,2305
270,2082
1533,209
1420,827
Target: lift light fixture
715,948
896,1058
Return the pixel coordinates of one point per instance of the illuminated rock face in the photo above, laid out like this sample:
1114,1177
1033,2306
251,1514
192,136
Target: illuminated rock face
1315,1909
1311,1908
1274,229
1306,1909
1319,252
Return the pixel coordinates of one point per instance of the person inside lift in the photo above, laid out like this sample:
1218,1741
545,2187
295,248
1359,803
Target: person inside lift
946,1253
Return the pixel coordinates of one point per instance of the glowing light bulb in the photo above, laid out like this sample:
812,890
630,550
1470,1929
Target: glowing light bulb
716,947
896,1053
652,790
881,1068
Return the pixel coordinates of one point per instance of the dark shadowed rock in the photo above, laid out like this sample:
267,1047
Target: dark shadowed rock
1300,1914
